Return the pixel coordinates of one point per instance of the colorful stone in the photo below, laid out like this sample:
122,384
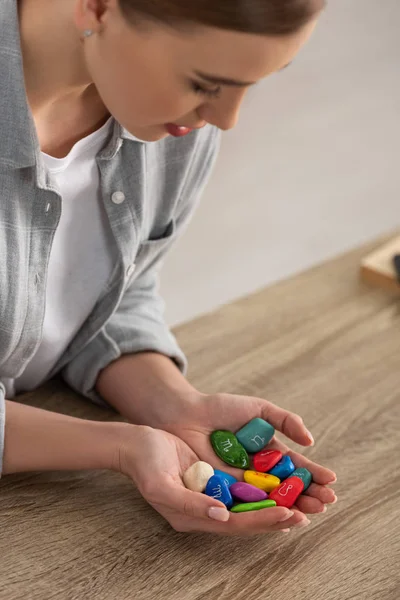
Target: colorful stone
247,493
196,476
265,460
287,493
255,435
217,488
284,468
230,479
263,481
249,506
229,449
304,475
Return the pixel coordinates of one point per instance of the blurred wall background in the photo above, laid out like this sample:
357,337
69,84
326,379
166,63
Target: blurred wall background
311,170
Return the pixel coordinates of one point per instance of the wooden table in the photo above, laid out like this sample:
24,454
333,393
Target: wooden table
321,344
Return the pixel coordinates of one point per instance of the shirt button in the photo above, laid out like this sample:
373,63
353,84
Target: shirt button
118,197
130,269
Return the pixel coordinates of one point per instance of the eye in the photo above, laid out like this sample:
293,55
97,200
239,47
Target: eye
209,93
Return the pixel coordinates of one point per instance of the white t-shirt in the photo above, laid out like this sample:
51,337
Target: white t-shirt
80,260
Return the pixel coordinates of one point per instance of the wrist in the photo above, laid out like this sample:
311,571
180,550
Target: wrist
132,448
112,437
148,389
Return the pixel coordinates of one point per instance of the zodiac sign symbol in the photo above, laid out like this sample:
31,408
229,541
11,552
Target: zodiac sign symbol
260,438
227,445
287,490
217,492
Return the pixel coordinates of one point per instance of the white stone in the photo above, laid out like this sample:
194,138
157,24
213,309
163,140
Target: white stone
197,476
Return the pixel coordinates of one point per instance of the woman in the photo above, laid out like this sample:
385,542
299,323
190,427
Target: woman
110,113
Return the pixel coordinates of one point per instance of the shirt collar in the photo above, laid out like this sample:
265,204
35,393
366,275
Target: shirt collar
128,136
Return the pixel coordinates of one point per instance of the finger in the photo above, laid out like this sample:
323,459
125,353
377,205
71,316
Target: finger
256,522
196,508
265,520
295,521
194,504
290,424
309,505
320,474
322,493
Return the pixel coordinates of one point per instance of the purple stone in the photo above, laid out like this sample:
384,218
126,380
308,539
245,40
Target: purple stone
247,493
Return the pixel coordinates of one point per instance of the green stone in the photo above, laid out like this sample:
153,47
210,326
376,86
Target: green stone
248,506
227,447
304,475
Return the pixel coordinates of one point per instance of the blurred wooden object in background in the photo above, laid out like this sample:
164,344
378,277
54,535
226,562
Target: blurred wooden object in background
377,268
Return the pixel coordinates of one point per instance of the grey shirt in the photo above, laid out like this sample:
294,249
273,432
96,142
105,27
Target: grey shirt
160,183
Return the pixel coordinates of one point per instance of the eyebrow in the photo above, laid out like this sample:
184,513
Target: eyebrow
231,82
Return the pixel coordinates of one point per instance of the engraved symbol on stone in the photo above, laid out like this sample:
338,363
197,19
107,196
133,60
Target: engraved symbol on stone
287,490
254,439
227,444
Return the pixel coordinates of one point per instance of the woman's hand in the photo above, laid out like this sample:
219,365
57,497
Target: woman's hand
228,411
149,390
156,460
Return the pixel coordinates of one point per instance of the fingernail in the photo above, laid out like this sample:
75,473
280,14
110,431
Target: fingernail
302,523
287,516
324,509
284,530
334,500
219,514
309,435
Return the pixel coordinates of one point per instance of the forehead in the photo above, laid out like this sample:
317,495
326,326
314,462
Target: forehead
239,55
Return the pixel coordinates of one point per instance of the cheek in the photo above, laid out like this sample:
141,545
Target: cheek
139,96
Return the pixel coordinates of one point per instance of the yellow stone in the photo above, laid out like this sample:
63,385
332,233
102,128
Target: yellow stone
263,481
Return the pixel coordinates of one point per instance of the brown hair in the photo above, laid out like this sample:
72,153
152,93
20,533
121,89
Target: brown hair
268,17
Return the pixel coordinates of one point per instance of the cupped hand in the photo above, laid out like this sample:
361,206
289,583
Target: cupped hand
231,412
156,460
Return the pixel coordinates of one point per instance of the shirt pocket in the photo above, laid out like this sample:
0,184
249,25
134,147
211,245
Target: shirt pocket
154,248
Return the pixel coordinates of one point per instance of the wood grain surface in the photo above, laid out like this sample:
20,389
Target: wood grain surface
321,344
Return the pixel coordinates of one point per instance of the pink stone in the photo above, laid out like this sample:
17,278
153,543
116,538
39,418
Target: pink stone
247,493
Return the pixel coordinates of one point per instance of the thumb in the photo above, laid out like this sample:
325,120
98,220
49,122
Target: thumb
195,504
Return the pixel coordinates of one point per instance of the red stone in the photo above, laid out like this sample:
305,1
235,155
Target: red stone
287,492
265,460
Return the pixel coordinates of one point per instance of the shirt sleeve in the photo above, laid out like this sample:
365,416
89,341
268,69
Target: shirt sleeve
2,423
138,323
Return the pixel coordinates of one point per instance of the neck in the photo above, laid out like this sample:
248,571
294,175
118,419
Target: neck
54,67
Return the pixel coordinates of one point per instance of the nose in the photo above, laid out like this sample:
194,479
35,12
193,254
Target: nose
223,113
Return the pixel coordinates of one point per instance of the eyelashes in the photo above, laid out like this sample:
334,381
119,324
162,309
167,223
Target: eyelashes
208,93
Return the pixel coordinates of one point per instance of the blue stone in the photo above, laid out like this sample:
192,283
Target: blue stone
255,435
218,488
230,479
304,475
284,468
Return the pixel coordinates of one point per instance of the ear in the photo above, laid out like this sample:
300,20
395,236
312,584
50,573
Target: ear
91,14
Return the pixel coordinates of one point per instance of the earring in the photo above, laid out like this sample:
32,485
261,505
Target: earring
87,33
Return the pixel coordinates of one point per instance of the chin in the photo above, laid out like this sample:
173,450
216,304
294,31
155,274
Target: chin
157,136
151,134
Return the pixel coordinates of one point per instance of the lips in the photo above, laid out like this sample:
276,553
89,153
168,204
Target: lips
176,130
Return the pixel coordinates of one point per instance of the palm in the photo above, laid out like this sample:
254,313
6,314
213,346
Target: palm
228,411
222,413
157,468
165,454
